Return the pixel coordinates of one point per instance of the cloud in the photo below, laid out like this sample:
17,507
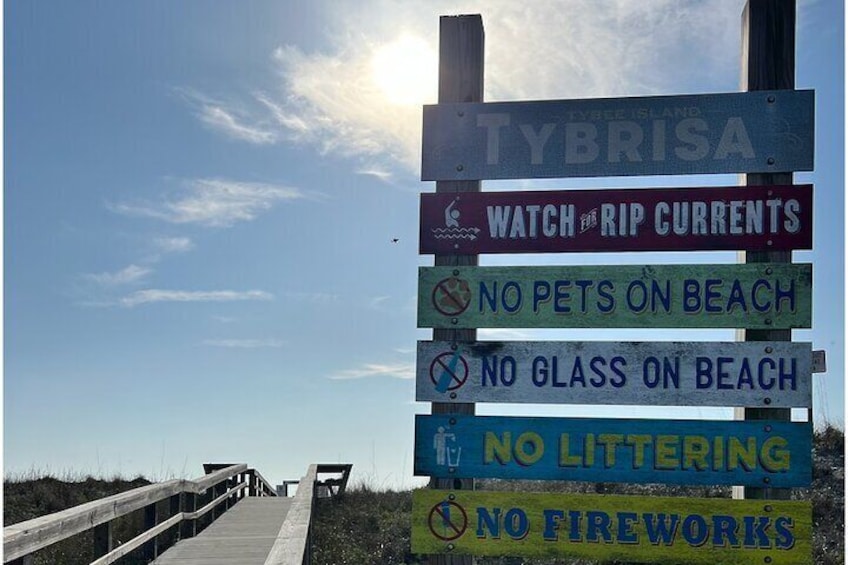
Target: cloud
214,202
397,371
351,99
322,298
128,275
245,343
151,296
377,302
173,244
227,120
379,174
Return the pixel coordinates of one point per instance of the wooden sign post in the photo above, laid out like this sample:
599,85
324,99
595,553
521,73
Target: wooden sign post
461,41
768,63
766,130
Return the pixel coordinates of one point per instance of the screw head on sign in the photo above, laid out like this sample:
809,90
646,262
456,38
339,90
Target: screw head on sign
767,401
453,421
769,349
456,245
451,497
768,508
768,322
451,547
769,243
767,559
770,161
453,396
770,98
460,168
769,270
456,272
451,470
767,429
766,480
454,321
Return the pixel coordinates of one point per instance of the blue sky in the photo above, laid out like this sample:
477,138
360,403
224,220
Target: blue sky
201,199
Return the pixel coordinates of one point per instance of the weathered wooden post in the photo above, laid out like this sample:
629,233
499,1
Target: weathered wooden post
151,518
174,508
189,527
103,540
461,42
768,63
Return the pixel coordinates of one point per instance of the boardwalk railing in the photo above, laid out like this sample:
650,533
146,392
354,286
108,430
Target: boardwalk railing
215,492
293,544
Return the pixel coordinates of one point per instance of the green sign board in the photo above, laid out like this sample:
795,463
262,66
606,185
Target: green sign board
645,529
755,296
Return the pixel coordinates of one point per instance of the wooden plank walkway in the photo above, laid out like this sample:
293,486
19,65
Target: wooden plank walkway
243,535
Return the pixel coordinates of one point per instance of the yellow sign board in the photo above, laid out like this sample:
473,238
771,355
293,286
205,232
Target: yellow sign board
643,529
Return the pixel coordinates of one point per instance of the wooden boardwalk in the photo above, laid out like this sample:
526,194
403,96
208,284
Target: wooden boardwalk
243,535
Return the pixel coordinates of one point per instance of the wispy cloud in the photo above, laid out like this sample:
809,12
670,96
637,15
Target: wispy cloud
323,298
344,100
226,119
370,370
214,202
379,174
151,296
173,244
128,275
377,302
245,343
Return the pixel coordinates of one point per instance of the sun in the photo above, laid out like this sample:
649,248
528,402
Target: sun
405,71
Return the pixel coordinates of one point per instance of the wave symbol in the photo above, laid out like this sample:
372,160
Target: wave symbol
456,233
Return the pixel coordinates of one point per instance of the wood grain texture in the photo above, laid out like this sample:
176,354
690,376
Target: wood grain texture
616,373
738,132
29,536
616,296
618,529
768,63
292,540
26,537
244,535
461,64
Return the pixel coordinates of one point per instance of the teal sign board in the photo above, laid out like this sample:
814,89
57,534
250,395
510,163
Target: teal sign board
708,452
757,296
739,132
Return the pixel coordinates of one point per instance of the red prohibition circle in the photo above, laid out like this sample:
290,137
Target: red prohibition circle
451,296
438,513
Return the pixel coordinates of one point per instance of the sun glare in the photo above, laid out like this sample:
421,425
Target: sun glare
405,71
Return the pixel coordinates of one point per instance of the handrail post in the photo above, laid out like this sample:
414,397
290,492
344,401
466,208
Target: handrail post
103,542
252,482
174,508
150,549
189,526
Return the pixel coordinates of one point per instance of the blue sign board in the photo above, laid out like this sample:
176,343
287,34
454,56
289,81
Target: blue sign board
704,452
740,132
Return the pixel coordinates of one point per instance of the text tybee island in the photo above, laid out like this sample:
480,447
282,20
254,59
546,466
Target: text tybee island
763,295
765,131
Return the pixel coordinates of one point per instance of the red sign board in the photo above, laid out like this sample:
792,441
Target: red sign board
656,219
